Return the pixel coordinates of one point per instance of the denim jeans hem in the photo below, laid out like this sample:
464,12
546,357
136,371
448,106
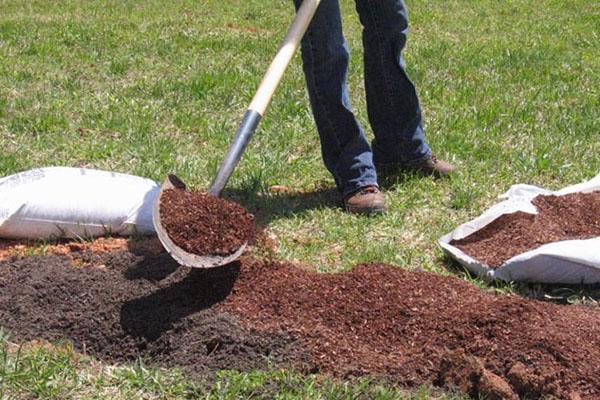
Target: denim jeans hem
350,189
406,164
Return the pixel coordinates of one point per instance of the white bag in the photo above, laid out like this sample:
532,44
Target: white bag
61,202
567,262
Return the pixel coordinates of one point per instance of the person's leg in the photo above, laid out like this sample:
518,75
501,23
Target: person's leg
345,148
393,105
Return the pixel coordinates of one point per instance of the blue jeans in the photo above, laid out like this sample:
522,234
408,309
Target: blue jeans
392,102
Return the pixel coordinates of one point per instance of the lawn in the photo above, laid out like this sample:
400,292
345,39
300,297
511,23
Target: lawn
509,92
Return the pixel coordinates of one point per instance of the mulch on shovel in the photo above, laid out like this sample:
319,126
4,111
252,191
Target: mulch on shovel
412,327
203,224
568,217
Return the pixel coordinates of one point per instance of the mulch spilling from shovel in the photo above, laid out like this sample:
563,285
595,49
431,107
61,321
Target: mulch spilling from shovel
412,327
568,217
203,224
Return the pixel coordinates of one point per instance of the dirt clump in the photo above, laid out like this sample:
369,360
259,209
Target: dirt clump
203,224
524,380
567,217
493,387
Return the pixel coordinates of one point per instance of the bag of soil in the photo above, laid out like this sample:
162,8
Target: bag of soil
61,202
500,243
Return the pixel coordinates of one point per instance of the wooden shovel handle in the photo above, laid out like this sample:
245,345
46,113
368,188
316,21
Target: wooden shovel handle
264,94
284,55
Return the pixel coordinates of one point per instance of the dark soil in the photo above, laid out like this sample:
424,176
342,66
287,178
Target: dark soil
411,327
121,307
203,224
568,217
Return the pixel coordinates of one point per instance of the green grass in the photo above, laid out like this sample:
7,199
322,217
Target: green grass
509,91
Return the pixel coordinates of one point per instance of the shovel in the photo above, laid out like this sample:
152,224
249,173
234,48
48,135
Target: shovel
248,126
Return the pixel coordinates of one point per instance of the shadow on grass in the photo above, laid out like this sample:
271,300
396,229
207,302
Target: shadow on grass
269,206
556,293
391,181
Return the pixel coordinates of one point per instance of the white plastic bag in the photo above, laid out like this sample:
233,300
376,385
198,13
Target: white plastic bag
567,262
61,202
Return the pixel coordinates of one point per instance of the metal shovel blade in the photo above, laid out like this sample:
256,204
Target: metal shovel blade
180,255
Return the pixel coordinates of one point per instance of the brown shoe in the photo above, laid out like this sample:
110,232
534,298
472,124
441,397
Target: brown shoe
431,166
367,200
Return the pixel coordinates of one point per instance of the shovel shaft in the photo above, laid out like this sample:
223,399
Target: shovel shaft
264,94
236,149
284,55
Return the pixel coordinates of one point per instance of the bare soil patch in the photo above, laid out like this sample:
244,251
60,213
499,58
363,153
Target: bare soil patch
568,217
203,224
120,307
410,327
9,248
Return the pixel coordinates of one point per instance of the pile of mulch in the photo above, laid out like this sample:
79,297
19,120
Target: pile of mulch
419,328
413,328
203,224
568,217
